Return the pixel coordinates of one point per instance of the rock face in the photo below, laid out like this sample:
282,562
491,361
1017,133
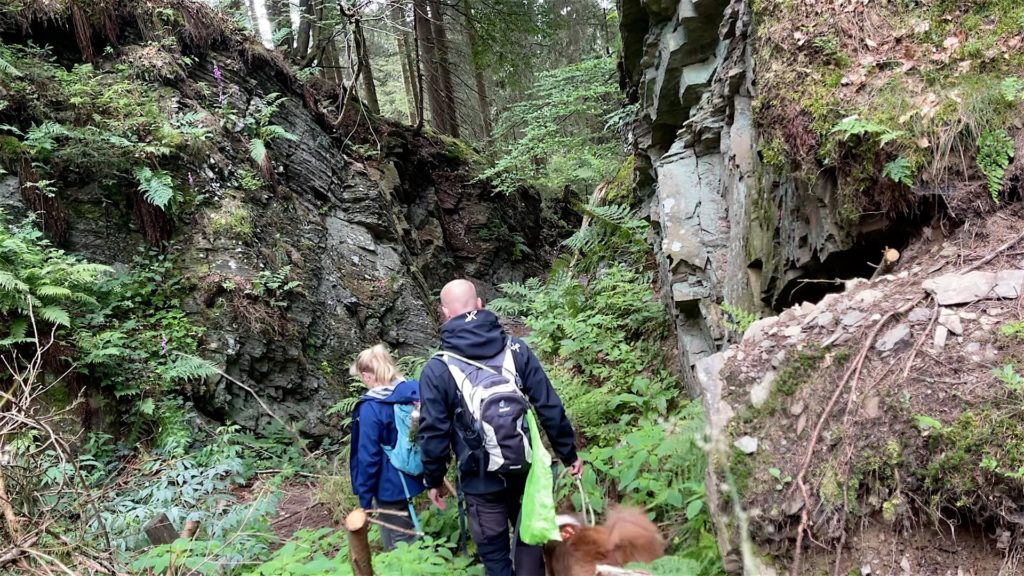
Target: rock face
727,228
370,237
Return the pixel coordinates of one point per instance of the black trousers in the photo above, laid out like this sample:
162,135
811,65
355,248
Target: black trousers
492,519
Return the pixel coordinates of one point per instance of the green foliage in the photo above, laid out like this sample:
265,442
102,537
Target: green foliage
1013,329
1012,89
899,171
84,123
613,232
57,287
274,287
1009,377
995,150
556,137
738,319
852,126
157,187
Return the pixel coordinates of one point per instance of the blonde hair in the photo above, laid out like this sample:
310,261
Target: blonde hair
378,361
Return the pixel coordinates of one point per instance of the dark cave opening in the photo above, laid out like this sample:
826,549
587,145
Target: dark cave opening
818,278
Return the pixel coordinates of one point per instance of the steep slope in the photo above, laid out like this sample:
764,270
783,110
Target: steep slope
294,239
784,146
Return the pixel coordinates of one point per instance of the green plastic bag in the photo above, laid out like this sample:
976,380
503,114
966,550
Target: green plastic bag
537,524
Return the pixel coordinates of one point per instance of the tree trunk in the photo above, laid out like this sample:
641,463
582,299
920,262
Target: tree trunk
403,42
428,65
280,15
478,71
330,62
305,28
254,19
358,524
450,123
365,71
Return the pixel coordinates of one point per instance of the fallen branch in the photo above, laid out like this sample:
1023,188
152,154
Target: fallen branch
917,346
292,514
393,527
13,524
851,376
993,255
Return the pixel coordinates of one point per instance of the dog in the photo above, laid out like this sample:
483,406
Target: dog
625,536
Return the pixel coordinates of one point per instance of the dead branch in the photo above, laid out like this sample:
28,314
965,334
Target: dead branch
393,527
992,256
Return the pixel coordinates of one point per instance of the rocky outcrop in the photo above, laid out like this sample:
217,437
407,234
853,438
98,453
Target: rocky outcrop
365,222
728,228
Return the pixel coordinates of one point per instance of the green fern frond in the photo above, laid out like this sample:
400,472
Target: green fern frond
56,292
8,69
54,315
258,150
186,367
10,283
18,333
157,187
274,131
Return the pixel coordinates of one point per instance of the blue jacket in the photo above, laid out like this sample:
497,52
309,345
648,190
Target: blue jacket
478,335
373,426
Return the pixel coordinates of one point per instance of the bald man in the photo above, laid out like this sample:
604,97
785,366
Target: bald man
475,347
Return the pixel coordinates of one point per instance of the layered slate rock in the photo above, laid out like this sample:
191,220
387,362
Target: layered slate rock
370,237
728,229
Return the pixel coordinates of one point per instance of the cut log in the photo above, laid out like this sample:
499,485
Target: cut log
159,530
358,525
190,529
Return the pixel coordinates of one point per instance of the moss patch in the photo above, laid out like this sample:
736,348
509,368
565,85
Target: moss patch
979,454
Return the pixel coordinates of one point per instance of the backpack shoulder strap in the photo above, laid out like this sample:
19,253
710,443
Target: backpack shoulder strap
445,355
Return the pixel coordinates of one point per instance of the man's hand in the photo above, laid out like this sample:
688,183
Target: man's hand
577,468
437,497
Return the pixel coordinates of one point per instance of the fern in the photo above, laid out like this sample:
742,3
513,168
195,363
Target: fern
157,187
1012,89
54,315
258,150
857,126
614,231
10,283
188,367
995,150
8,68
899,171
274,131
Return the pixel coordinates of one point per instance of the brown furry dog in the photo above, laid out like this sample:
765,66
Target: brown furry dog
626,535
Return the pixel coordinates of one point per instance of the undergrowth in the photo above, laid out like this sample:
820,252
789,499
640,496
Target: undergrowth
886,119
602,338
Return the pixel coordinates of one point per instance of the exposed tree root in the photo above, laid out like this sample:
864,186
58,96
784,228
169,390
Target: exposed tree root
851,376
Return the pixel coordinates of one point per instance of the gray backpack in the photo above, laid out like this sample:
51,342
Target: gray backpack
497,407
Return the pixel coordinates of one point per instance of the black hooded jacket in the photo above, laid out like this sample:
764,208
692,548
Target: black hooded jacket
477,335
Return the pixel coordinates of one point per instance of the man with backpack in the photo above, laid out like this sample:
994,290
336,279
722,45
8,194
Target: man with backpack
474,397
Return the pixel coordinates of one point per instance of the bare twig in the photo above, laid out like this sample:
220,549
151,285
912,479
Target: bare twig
271,413
393,527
